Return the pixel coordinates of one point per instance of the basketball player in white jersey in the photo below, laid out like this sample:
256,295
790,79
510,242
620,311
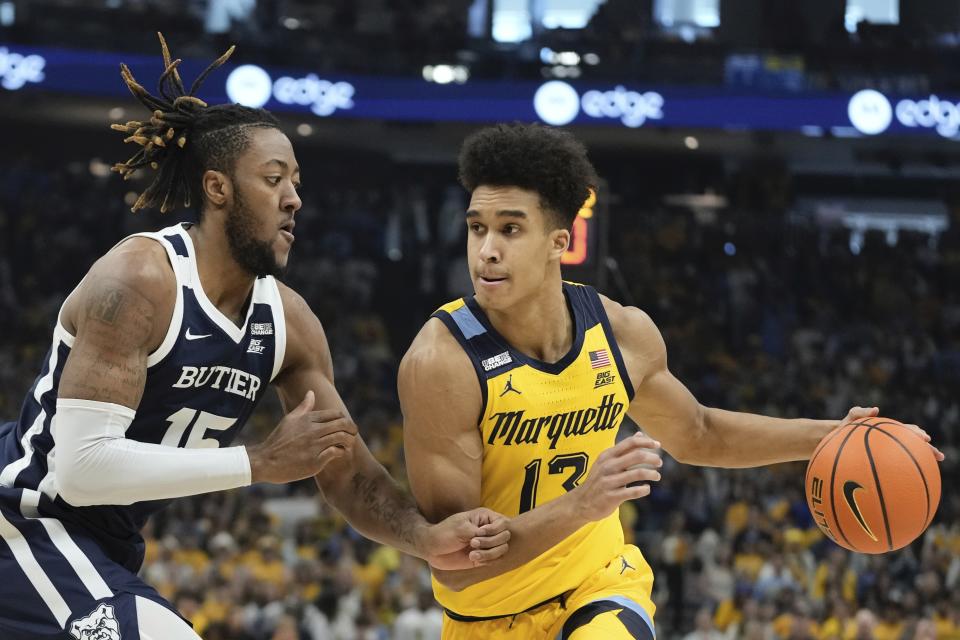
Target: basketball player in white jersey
159,356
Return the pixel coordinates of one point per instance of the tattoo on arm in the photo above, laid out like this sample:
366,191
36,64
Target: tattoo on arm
388,504
108,360
106,307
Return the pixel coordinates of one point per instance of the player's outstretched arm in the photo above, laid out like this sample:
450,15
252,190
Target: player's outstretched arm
354,482
692,433
441,404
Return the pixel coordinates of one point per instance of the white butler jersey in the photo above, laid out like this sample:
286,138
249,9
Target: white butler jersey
203,382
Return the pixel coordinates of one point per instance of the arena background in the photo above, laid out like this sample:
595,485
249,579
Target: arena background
780,195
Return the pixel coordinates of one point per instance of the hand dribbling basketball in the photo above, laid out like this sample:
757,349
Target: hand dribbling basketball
873,484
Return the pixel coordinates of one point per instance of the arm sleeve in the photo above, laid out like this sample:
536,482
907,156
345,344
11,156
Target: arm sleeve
96,464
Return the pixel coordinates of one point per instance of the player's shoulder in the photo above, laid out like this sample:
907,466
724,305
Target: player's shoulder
137,265
633,328
139,260
435,354
135,275
306,338
626,320
296,310
437,382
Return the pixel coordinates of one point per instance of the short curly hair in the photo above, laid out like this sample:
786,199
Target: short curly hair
546,160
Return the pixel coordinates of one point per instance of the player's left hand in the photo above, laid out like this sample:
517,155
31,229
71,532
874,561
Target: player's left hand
858,413
466,540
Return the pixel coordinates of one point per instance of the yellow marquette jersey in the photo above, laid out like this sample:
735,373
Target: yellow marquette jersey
543,426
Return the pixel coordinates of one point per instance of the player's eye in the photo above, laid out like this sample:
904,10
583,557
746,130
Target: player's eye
475,227
510,229
274,180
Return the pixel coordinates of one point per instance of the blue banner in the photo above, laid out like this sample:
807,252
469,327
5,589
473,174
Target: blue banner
626,104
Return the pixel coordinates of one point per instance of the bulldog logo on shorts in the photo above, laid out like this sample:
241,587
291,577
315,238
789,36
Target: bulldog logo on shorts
99,625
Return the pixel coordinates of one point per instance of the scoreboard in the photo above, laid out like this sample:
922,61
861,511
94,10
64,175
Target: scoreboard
585,258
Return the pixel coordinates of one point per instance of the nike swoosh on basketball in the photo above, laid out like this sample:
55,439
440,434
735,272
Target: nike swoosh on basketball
192,336
849,489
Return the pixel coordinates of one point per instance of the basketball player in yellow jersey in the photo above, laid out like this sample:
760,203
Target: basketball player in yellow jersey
558,366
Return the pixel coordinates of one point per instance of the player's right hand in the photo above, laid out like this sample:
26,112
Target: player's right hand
609,482
303,443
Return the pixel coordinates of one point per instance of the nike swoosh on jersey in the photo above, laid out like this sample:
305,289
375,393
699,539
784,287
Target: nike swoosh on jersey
191,336
849,489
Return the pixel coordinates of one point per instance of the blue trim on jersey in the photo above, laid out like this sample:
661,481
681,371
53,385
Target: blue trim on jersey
612,340
61,553
577,311
450,322
467,323
43,442
631,615
179,246
627,603
475,333
30,466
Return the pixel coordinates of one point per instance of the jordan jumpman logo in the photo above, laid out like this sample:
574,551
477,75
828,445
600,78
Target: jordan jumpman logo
509,387
625,565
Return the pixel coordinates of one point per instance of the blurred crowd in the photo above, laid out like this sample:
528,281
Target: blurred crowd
786,45
338,35
760,312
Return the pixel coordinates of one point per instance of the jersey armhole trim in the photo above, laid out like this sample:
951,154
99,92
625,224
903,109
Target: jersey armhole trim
173,330
59,331
452,327
279,329
612,341
176,320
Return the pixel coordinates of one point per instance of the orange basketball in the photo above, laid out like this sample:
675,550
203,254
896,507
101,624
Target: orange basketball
873,486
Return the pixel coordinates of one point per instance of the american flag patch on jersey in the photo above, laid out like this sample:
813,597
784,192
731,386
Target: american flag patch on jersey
599,359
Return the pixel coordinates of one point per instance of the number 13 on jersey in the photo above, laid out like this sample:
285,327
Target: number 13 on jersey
574,464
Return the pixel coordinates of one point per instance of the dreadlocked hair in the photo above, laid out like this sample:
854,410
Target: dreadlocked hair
178,141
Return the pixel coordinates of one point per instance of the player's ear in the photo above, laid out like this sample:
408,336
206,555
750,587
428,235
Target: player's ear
559,241
217,187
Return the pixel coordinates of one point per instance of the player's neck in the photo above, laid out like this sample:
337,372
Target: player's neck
540,327
226,284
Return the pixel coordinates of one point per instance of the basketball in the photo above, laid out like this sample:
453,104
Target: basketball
873,486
